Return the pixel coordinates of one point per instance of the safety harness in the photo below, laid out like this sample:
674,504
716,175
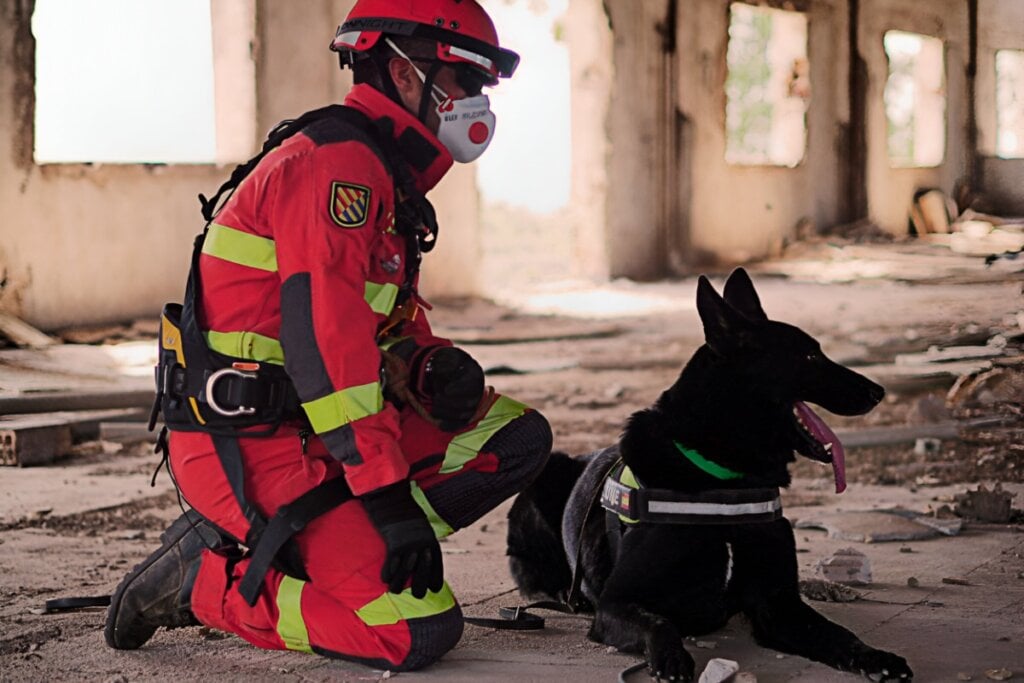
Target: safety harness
199,389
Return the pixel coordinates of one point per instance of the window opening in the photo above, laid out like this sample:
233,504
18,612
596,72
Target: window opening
1010,104
124,81
915,100
768,86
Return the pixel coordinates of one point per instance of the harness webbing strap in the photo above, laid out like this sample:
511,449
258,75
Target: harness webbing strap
289,520
266,540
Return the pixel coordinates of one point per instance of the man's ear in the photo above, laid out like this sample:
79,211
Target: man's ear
740,294
724,327
404,76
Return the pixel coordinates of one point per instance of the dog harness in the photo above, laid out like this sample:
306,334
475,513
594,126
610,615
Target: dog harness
630,502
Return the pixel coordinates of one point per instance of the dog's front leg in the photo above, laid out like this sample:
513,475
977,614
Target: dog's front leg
638,608
765,579
632,628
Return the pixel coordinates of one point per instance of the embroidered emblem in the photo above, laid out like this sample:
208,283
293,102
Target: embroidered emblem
349,204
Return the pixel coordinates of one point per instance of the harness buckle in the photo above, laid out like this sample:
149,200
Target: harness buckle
212,381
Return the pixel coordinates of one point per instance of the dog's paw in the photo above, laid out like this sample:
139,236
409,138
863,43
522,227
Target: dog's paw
882,666
668,660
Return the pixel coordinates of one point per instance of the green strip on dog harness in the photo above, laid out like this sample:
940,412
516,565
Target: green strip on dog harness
699,461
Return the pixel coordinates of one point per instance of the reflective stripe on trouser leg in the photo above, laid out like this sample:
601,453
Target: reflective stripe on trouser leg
291,627
433,625
521,448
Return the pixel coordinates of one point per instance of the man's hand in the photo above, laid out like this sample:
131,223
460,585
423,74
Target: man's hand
412,549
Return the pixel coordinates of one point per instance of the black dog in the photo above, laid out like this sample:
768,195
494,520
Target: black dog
724,433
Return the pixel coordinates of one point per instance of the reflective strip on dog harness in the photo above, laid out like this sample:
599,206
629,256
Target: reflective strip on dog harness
670,507
625,496
291,627
391,608
466,446
348,405
243,248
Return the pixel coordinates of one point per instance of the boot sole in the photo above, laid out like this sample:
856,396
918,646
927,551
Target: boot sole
174,533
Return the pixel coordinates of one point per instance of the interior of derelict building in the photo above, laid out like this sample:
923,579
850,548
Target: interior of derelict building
643,140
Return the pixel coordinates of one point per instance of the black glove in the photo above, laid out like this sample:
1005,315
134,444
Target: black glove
412,548
452,383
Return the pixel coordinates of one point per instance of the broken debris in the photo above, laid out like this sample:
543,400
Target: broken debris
827,591
719,671
22,334
877,526
847,566
985,505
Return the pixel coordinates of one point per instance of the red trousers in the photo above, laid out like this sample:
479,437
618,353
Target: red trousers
345,610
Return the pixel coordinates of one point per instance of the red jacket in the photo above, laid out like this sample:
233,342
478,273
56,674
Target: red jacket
302,267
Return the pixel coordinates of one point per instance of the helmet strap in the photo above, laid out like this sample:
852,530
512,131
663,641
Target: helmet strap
381,62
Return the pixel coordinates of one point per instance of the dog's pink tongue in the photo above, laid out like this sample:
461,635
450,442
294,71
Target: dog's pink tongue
824,435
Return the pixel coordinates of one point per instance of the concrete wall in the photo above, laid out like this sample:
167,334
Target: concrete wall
890,190
83,243
589,37
1000,25
738,213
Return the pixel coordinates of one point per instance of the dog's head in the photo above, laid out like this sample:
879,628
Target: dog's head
771,370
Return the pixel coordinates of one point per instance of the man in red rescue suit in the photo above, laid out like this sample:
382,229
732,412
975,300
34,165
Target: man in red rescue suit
308,289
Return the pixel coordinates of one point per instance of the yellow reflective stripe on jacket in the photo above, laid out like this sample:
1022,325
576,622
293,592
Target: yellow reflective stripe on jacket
465,447
381,296
441,528
240,247
247,345
341,407
391,608
291,627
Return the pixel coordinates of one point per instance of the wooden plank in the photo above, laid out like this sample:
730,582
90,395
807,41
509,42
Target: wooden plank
887,436
76,400
40,439
23,334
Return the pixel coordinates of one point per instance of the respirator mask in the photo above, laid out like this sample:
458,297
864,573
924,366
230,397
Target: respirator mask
467,125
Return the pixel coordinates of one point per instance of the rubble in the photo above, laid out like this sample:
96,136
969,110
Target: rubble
985,505
846,566
718,671
878,526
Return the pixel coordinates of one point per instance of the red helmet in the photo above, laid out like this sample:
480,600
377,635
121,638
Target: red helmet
462,29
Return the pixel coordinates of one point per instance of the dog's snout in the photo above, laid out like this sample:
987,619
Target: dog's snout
876,392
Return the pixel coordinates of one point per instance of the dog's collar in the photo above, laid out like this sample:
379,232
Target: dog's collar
700,462
625,496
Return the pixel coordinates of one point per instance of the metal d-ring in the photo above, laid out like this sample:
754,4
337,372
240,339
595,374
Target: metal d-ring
212,380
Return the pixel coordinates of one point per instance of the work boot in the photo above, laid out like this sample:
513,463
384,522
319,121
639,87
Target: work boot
158,591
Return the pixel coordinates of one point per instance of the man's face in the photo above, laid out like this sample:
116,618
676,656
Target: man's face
449,79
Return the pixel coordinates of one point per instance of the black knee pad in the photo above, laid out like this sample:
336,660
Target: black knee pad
431,637
522,446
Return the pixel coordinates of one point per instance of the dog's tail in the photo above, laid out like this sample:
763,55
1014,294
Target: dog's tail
536,555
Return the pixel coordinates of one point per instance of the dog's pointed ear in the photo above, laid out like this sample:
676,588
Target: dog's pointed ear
740,294
724,326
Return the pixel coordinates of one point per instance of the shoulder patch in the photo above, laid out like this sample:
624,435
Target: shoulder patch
349,204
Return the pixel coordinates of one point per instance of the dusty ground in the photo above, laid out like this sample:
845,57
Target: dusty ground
74,528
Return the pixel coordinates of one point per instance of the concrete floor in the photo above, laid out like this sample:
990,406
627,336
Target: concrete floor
76,527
